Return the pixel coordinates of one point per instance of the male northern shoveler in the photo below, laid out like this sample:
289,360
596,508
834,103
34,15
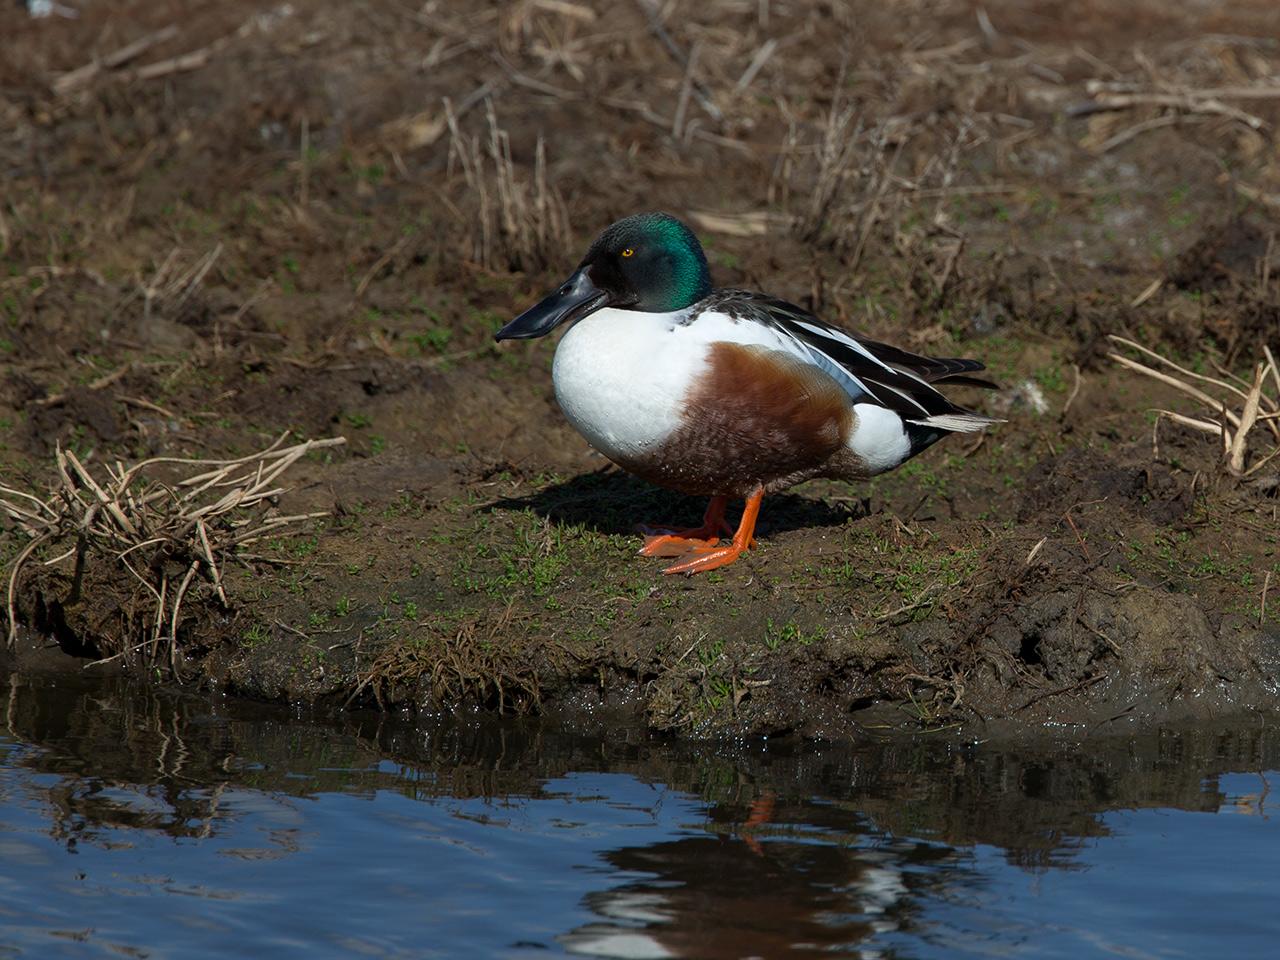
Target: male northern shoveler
726,393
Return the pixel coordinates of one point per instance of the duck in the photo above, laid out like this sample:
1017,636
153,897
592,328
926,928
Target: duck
726,393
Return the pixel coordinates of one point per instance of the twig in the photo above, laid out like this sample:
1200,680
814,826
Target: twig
112,507
259,532
1182,370
294,630
1248,417
1233,428
10,491
757,63
214,572
1069,688
148,405
1275,368
195,276
1147,293
1205,426
565,9
755,224
928,598
11,602
159,625
1262,463
79,77
183,63
1177,384
1034,551
1075,390
116,656
1184,102
173,618
53,271
1155,123
1095,87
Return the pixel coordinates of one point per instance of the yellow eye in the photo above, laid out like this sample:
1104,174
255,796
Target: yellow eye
628,252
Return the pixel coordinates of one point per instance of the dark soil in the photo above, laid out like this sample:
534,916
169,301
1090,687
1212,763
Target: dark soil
283,232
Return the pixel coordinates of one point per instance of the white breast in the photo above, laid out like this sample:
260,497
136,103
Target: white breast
620,379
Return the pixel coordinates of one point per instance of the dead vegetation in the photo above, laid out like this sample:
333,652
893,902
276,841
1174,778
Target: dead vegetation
1230,412
465,665
522,224
160,529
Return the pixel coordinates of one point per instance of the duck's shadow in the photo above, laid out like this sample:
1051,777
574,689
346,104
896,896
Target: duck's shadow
612,502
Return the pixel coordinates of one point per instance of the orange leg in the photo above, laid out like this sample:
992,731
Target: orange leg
710,557
676,543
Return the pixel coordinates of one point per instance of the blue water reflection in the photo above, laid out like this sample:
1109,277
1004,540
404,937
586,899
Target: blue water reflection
142,825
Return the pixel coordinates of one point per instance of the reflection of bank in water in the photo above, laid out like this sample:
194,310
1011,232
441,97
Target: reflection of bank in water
716,897
124,755
475,837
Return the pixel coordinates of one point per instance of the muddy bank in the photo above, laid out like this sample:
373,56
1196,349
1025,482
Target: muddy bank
193,269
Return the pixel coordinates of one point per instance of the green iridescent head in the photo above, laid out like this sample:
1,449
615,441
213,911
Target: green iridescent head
650,262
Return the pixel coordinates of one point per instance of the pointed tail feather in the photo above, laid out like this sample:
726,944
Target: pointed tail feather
960,422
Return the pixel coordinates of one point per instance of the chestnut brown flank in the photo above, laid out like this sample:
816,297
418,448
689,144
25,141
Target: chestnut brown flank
756,417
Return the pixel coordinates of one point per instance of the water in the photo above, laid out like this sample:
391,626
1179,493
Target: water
143,825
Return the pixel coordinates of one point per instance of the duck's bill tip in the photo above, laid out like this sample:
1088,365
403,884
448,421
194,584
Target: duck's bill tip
574,299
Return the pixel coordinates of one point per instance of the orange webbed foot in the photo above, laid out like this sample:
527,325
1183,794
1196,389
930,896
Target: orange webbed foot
663,542
677,543
707,558
710,556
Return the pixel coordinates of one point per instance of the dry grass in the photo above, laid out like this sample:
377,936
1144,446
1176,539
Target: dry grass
171,286
160,533
1243,414
451,666
523,224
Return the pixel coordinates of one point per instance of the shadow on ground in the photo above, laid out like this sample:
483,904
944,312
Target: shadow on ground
614,503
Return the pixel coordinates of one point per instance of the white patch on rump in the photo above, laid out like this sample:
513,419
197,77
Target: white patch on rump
878,438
